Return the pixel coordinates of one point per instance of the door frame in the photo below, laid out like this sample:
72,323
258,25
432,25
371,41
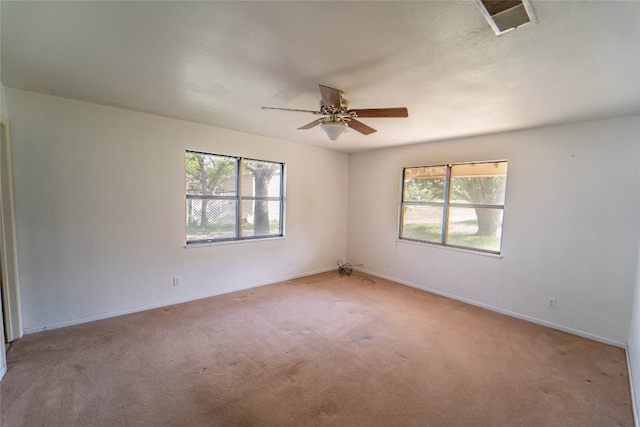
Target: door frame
8,247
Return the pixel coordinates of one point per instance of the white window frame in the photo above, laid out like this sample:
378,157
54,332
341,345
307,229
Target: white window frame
238,198
446,205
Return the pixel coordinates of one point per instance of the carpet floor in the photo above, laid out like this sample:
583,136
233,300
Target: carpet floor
322,350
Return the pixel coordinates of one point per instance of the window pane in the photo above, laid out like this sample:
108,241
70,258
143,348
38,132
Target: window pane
210,175
422,223
479,183
211,219
479,228
261,179
425,184
261,218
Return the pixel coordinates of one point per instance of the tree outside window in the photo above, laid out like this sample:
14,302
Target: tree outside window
232,198
458,205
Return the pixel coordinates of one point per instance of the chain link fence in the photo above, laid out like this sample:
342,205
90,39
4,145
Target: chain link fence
215,211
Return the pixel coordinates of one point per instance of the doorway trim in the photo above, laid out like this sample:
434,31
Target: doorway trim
8,248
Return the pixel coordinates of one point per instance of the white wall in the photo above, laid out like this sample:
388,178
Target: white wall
570,229
99,207
633,346
99,199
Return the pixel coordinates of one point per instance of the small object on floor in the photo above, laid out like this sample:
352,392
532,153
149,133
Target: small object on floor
344,268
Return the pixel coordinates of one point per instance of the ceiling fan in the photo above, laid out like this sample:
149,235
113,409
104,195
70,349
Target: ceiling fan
339,117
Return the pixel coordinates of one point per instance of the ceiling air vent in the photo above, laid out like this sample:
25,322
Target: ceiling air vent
506,15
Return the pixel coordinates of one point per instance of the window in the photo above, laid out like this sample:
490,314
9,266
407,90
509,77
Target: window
232,198
457,205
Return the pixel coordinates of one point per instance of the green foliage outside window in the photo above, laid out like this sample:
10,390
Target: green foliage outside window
455,205
230,198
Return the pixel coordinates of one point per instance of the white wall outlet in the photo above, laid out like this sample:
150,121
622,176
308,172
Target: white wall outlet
176,281
553,303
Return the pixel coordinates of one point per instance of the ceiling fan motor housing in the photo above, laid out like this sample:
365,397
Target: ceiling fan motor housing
342,111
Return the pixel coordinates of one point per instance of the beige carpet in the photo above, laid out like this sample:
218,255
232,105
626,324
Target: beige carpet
316,351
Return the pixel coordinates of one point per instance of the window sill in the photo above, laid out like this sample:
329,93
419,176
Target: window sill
233,242
450,248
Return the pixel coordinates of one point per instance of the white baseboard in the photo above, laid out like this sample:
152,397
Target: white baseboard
3,370
503,311
145,307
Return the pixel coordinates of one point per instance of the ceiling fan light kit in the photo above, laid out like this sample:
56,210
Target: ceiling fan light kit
339,117
333,130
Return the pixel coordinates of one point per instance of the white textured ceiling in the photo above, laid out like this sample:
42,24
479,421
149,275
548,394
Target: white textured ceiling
218,62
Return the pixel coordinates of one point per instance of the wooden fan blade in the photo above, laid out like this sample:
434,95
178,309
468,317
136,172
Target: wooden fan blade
330,97
382,112
360,127
311,125
291,109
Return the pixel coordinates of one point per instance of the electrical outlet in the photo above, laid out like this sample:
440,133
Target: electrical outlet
176,281
553,303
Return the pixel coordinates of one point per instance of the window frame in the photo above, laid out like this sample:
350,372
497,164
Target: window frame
446,206
238,198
